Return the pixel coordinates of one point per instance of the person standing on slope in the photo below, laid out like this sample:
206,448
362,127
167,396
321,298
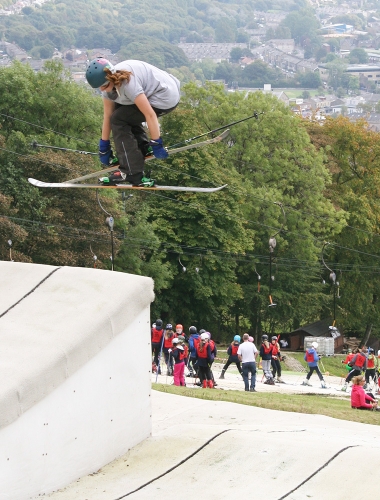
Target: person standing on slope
358,365
204,358
178,354
133,92
232,352
247,353
193,342
266,359
276,359
157,333
311,357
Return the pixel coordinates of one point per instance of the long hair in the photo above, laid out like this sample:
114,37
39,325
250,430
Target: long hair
357,380
118,77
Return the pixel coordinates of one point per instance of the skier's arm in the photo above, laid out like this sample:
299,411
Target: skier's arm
108,109
146,109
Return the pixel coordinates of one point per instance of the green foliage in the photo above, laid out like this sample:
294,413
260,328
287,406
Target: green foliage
47,227
280,184
310,80
352,157
358,56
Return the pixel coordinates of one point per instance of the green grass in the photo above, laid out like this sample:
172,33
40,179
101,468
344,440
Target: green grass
297,93
301,403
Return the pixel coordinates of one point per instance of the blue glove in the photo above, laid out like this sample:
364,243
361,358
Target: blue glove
158,149
105,152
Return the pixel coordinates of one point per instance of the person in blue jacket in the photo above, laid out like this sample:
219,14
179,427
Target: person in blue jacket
193,341
311,357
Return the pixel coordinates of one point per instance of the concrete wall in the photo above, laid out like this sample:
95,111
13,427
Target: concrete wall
74,371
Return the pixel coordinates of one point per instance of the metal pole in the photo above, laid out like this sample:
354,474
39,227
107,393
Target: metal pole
110,221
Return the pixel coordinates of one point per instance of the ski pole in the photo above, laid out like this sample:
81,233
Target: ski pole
255,115
35,145
323,368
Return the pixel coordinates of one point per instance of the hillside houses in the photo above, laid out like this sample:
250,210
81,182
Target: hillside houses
216,52
288,63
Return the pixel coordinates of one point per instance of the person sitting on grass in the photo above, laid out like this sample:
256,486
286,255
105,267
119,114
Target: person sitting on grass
360,400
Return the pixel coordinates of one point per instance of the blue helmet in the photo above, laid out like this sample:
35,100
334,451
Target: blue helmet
95,74
237,338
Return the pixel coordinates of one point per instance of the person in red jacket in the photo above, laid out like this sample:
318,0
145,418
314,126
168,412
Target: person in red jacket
169,335
178,355
359,398
348,359
204,358
275,361
371,367
358,365
232,356
157,334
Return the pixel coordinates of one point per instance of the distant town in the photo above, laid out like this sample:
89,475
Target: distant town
282,54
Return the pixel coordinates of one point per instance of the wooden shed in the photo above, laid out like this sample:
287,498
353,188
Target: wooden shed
321,328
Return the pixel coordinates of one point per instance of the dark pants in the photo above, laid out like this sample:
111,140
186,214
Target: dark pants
314,369
276,367
352,373
130,137
229,362
204,373
156,348
193,362
249,367
370,372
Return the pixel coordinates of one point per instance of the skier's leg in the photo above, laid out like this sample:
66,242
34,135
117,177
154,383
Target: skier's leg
245,376
274,367
253,375
225,368
176,374
131,159
182,374
318,371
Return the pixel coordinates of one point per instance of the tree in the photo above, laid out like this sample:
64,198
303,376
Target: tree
311,80
225,30
352,155
276,163
47,226
236,54
358,56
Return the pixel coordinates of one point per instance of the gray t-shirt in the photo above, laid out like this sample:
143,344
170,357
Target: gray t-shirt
247,351
161,88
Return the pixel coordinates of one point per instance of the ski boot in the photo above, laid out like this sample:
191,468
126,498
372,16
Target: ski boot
211,384
306,382
222,374
204,384
323,384
113,178
344,388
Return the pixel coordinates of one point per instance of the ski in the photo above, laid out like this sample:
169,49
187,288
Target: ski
218,138
188,189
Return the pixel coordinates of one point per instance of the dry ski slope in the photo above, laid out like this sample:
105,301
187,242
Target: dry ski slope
216,450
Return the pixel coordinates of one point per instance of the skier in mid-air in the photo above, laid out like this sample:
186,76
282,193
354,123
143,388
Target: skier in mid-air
133,92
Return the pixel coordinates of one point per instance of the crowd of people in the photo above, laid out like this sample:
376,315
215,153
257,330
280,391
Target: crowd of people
194,354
